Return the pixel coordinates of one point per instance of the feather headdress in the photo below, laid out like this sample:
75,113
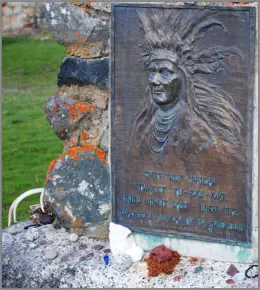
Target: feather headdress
173,34
178,35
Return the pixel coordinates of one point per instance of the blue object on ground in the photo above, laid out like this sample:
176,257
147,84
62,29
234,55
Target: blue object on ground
106,260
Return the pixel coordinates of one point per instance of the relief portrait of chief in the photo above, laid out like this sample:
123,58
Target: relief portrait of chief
183,114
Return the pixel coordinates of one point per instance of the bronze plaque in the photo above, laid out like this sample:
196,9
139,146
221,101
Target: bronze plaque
182,96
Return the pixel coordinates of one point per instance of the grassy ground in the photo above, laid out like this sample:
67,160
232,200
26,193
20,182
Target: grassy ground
29,69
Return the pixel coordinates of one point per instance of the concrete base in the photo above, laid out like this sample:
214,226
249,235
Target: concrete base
190,248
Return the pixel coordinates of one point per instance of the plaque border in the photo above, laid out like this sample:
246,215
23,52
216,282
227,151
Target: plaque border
250,121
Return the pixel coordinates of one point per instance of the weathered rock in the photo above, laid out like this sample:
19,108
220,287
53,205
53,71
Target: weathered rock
121,262
78,186
136,253
7,11
14,4
73,237
26,4
75,70
18,9
101,6
78,115
51,254
71,24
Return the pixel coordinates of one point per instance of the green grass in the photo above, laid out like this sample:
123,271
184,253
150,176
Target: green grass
29,69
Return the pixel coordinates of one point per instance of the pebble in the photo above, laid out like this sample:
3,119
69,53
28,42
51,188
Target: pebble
107,251
87,257
121,261
82,247
12,231
73,237
78,231
49,242
177,278
198,269
239,277
98,247
32,245
43,242
51,254
32,234
63,230
230,281
232,270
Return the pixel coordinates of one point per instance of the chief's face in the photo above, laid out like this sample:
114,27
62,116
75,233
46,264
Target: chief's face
165,81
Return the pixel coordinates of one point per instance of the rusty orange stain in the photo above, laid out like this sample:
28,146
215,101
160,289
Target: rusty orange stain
73,143
194,260
85,108
86,53
73,151
76,222
101,155
85,135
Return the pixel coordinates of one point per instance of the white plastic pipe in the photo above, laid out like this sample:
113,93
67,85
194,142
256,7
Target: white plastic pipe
15,203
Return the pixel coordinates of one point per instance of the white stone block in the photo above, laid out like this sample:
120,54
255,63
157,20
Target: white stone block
18,10
7,11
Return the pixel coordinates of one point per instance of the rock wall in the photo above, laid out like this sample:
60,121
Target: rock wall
78,182
22,17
